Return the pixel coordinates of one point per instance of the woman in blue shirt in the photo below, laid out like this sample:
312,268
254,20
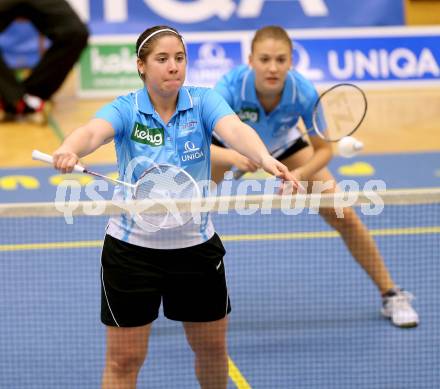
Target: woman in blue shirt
271,97
182,267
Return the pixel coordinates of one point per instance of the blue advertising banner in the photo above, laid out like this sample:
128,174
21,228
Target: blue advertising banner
369,58
374,56
208,61
133,16
121,17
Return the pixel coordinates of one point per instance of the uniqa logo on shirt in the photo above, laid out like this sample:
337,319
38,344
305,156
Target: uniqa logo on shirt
191,152
148,136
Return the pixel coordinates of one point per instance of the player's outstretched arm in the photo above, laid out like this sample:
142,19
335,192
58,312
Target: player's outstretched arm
81,142
246,141
225,157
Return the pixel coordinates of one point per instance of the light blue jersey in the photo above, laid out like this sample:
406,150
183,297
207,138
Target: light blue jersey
278,128
142,139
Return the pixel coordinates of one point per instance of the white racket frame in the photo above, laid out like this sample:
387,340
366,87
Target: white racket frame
43,157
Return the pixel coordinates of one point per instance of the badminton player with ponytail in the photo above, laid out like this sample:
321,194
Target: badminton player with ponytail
163,124
271,97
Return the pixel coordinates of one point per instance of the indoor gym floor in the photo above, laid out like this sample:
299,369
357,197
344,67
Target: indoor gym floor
319,341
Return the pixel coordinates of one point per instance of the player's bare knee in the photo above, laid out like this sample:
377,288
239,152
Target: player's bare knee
343,219
125,364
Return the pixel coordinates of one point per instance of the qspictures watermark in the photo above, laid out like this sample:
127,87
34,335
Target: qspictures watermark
245,198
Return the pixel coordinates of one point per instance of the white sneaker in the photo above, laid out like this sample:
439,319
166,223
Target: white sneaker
397,307
36,110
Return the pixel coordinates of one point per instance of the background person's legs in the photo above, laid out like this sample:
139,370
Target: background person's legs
56,20
11,91
363,248
353,232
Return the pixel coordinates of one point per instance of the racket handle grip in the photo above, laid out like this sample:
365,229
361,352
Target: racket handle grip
43,157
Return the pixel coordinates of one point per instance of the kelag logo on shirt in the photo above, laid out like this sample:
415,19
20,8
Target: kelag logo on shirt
148,136
249,114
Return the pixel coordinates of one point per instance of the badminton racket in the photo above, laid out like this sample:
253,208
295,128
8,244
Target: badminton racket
158,182
338,112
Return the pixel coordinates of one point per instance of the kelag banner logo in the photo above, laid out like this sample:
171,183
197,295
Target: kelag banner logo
133,16
370,55
107,68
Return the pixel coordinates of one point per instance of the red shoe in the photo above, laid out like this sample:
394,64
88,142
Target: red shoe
32,109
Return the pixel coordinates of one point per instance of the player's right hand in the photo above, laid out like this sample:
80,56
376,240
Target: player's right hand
64,160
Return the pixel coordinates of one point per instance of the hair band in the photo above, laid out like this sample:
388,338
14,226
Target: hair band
153,34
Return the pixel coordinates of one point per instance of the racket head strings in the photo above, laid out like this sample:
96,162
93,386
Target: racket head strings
162,183
339,111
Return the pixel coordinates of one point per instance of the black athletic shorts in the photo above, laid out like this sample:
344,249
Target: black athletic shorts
189,281
299,144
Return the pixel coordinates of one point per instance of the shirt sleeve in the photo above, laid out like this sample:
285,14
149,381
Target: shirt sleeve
117,113
214,107
223,87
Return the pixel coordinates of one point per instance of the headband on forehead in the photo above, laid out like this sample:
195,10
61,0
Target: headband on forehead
153,34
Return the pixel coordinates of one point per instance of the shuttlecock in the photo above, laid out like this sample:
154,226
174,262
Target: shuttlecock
349,147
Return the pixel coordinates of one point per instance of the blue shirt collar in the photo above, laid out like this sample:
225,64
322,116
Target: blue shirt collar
248,92
143,102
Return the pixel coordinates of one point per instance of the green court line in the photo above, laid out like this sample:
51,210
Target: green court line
53,124
51,245
330,234
230,238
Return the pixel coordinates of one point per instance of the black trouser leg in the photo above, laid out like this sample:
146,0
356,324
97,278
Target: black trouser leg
10,88
56,20
11,91
68,36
